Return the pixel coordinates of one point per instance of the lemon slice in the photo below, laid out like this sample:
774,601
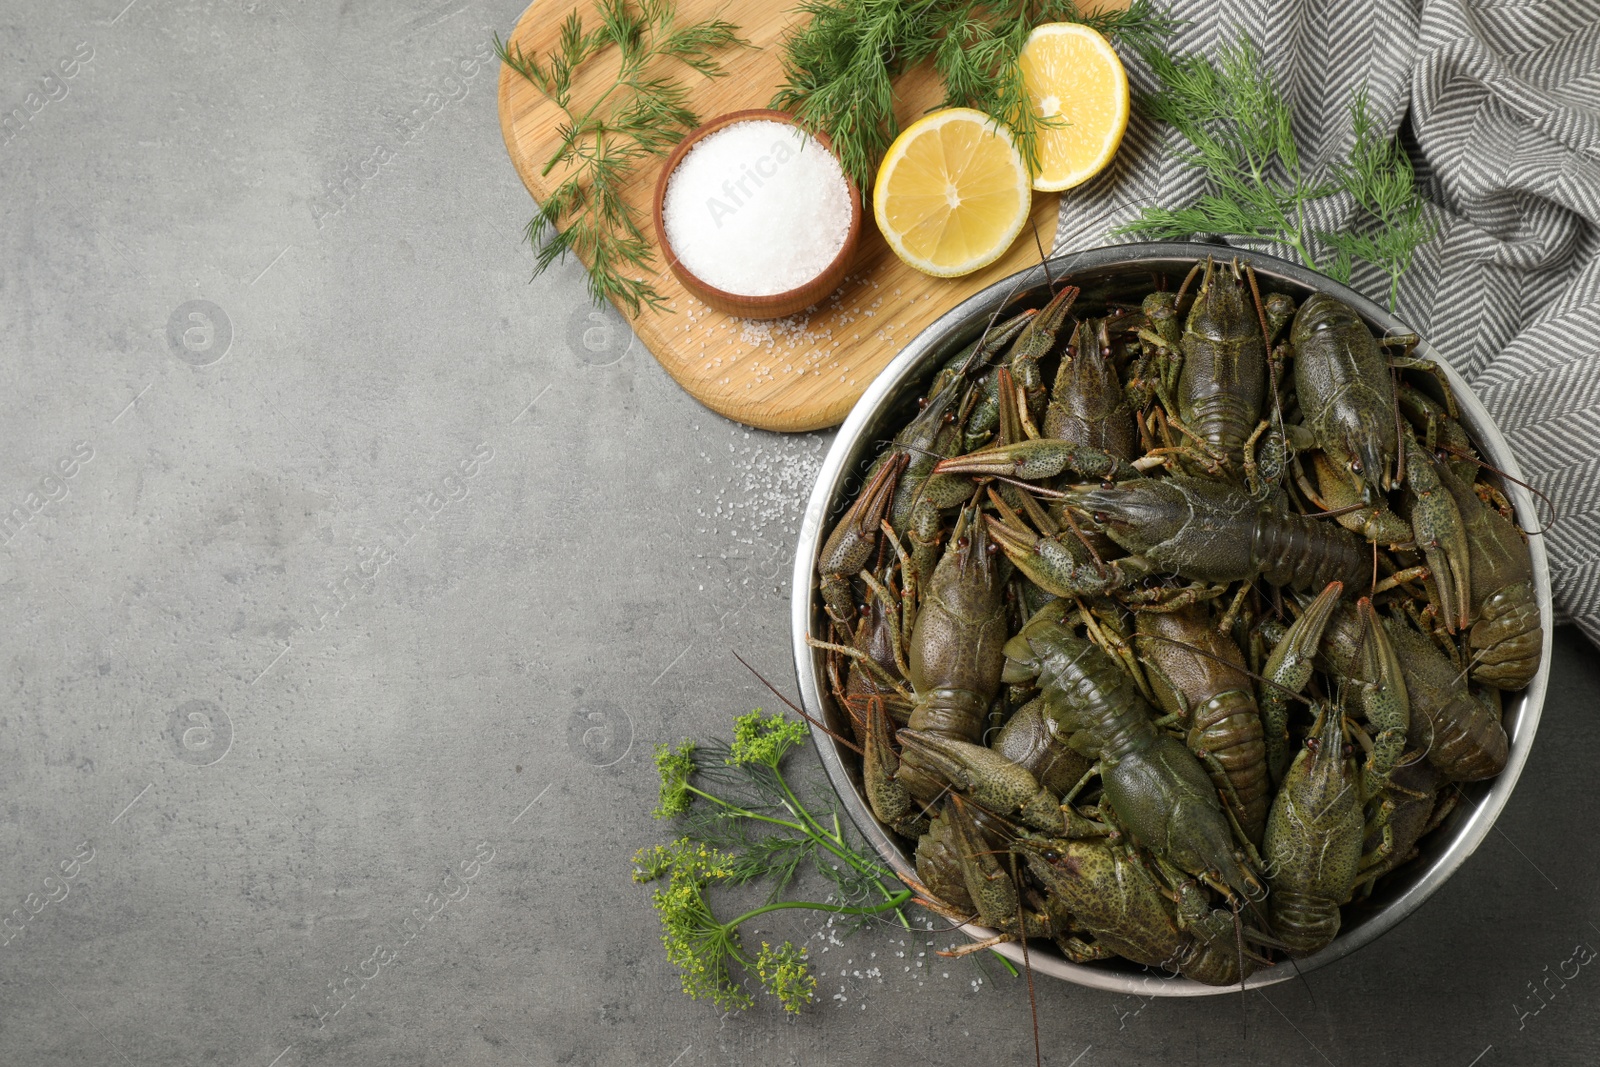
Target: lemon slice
1072,72
952,192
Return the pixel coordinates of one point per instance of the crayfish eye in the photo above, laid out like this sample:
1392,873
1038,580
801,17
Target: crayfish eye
1355,466
1108,484
962,543
1100,517
991,548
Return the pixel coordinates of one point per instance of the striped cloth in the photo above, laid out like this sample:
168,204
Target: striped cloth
1500,101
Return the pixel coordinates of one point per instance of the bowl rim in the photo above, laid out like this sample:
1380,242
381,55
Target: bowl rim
815,288
849,447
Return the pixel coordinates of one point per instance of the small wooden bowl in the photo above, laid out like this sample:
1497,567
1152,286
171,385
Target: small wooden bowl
773,305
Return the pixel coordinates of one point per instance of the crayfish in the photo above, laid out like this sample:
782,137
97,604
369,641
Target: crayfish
1174,659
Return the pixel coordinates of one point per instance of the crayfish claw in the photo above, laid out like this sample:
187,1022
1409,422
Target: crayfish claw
854,538
1039,458
1058,564
887,795
984,775
1288,670
1439,532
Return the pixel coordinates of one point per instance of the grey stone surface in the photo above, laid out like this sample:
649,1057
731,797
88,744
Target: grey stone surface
350,565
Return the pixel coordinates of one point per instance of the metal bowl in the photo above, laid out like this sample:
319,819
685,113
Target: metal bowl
1113,273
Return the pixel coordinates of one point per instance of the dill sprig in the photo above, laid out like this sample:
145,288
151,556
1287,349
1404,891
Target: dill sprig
741,787
643,114
840,67
980,43
1380,177
1238,127
1240,136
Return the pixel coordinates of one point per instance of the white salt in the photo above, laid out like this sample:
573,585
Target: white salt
756,208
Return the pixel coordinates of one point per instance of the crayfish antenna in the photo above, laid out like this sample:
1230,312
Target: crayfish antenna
1238,947
1044,260
1184,288
1091,227
1027,969
1298,973
1486,465
797,709
994,317
926,900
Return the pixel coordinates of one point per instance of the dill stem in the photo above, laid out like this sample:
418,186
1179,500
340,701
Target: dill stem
578,124
799,808
625,77
745,812
1298,238
833,842
822,838
1298,244
822,834
894,901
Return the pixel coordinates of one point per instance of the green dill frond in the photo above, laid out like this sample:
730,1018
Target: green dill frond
694,44
1240,136
1380,178
775,854
978,62
622,28
1141,23
525,65
1237,125
776,857
636,118
573,46
755,786
740,822
840,66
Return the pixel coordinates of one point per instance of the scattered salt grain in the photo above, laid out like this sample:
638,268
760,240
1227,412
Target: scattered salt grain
756,208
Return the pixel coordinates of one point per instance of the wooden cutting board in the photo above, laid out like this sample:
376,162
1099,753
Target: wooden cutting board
800,373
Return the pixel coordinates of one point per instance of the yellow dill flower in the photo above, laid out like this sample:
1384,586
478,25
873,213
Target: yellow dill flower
709,955
675,765
783,973
696,943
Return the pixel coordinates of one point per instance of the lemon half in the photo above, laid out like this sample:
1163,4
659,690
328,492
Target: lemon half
952,192
1073,73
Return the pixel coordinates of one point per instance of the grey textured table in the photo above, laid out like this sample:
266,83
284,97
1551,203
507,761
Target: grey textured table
349,578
